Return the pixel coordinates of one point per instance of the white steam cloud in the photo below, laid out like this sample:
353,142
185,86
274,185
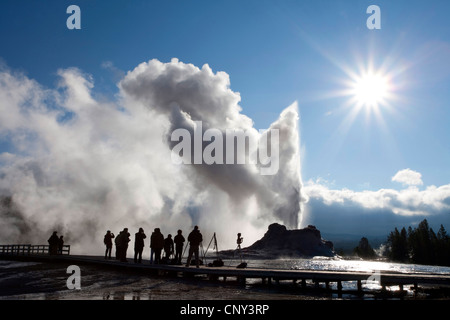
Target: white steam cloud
81,165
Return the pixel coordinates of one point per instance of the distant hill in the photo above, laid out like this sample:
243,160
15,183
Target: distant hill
279,242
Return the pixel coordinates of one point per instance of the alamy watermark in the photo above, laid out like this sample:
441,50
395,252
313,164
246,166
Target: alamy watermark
234,146
73,22
74,280
374,21
375,277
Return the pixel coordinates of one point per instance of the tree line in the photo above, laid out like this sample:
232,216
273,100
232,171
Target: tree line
420,245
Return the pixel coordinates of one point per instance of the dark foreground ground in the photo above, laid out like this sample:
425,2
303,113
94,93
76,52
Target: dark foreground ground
36,289
48,281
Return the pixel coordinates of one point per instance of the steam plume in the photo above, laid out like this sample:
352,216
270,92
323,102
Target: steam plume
81,165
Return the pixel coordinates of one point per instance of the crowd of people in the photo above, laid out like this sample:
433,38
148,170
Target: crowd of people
172,247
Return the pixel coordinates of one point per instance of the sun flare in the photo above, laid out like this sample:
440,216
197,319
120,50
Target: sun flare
370,89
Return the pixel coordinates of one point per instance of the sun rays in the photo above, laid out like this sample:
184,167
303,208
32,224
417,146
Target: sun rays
370,89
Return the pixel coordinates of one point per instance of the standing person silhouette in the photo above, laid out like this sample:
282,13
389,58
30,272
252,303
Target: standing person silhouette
194,239
179,243
152,251
124,244
157,244
53,243
168,247
139,245
107,240
118,242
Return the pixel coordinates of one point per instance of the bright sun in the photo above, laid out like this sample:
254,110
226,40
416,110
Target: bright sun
370,89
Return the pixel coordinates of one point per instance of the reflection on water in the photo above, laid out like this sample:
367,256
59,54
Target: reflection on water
331,264
335,264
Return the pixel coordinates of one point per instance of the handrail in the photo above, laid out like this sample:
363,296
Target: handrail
27,249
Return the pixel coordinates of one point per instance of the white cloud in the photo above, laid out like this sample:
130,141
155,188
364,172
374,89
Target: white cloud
408,177
376,212
410,201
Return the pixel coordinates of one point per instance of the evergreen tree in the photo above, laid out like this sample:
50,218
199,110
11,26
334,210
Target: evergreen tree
443,247
398,246
364,250
419,245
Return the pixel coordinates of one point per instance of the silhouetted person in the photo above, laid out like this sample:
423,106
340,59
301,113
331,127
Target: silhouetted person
194,239
168,246
179,243
107,240
139,245
53,243
60,244
157,244
124,244
152,252
118,242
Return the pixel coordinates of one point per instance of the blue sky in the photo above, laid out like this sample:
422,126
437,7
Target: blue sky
275,52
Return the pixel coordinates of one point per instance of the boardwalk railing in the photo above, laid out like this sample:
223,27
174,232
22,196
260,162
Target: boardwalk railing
27,249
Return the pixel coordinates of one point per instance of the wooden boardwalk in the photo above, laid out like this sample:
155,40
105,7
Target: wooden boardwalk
267,276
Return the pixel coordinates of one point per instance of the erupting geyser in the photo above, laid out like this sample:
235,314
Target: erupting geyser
82,166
